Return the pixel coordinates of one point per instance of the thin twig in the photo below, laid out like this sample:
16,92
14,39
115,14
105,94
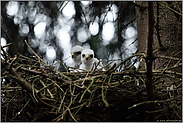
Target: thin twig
39,59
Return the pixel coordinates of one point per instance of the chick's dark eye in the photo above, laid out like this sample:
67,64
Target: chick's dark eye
83,55
91,56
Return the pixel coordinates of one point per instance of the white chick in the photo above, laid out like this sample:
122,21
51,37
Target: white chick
99,64
76,56
87,59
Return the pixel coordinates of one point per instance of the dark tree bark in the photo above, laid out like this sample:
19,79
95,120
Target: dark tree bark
149,60
158,37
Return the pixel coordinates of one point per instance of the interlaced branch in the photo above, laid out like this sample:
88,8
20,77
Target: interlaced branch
45,94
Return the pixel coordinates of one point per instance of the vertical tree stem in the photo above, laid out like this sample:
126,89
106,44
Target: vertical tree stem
149,60
157,26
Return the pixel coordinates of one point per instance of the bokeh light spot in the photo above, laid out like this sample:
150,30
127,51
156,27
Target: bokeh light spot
39,29
107,32
94,28
82,35
69,10
12,8
50,53
130,32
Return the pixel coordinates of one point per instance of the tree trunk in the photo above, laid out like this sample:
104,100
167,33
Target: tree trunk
167,31
163,36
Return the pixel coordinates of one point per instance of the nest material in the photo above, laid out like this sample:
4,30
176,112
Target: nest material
33,91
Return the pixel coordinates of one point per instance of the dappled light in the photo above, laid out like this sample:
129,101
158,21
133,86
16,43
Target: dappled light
130,32
86,3
69,10
12,8
39,29
101,61
62,27
107,32
94,28
82,35
23,29
3,43
50,53
111,14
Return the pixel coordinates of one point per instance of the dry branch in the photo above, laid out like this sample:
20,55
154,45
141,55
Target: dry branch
62,97
30,93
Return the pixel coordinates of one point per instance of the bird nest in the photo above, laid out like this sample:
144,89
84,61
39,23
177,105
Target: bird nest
31,90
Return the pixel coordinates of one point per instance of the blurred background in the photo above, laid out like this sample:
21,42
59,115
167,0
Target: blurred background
53,28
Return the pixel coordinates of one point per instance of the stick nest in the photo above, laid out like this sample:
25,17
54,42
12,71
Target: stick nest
31,90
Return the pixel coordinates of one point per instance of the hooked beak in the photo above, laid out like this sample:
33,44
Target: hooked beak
87,57
73,55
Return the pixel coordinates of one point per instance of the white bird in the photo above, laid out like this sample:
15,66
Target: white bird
87,59
76,56
99,64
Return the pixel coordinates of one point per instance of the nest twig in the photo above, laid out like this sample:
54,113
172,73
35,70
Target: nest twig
33,93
